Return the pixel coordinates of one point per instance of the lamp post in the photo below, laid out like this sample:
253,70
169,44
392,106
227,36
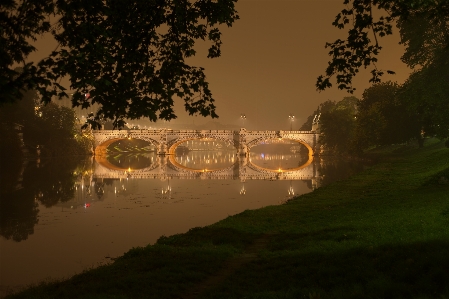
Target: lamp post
243,118
291,117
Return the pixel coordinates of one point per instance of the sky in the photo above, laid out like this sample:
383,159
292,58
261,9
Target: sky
270,60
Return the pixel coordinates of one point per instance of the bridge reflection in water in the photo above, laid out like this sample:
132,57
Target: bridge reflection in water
241,168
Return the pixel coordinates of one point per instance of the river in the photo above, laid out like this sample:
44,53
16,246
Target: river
62,216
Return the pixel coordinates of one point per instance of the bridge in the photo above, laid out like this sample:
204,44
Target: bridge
166,140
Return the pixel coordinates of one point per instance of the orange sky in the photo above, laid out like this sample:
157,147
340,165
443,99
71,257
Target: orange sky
270,60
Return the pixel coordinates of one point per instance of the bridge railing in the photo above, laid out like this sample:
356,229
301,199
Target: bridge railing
156,131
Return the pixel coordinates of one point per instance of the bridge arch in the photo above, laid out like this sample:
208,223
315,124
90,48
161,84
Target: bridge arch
108,140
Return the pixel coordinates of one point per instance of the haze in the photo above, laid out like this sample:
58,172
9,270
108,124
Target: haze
270,60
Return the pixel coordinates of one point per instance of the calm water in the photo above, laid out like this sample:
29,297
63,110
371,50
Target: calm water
61,216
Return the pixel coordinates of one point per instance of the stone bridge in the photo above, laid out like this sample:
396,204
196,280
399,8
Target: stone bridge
166,140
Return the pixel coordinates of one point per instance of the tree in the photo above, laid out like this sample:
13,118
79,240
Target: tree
56,130
426,94
425,35
338,124
20,112
127,56
20,24
337,129
51,126
383,118
359,50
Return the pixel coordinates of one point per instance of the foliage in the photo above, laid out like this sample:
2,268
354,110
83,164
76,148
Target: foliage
383,118
338,124
358,50
426,94
20,112
425,34
129,57
50,127
389,114
21,22
56,129
337,128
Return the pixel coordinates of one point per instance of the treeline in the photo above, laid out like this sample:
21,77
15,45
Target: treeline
388,113
45,130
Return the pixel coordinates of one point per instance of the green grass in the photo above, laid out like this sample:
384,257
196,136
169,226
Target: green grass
383,233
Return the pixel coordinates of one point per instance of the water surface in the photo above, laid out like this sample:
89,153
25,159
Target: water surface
62,216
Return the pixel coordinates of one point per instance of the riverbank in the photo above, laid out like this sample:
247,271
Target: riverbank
383,233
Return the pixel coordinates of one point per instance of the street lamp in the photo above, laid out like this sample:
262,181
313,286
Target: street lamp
243,118
291,117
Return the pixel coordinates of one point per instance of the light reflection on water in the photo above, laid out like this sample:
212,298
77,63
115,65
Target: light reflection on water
62,217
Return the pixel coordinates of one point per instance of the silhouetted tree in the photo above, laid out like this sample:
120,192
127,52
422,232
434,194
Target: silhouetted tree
21,22
424,31
425,35
426,94
127,56
424,27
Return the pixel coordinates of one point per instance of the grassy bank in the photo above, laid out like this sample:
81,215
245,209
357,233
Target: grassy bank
384,233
